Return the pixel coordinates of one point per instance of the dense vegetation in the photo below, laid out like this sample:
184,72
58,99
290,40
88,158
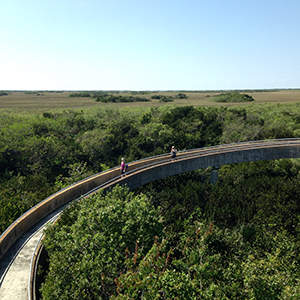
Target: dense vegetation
235,240
233,97
40,154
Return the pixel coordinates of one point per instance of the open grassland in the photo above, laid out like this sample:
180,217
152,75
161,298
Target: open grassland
29,102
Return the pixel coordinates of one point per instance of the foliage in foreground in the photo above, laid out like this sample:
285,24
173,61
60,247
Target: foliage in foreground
199,270
87,247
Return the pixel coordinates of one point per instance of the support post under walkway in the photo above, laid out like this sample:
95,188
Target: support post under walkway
214,174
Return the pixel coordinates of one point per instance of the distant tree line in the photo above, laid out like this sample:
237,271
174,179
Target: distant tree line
163,98
40,92
140,92
105,98
78,95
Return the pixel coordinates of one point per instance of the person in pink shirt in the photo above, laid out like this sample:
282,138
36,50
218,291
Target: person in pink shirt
123,166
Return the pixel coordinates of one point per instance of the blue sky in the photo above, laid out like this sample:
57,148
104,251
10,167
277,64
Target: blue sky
149,45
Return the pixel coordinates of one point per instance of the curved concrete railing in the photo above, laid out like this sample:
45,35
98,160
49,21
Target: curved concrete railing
72,192
150,169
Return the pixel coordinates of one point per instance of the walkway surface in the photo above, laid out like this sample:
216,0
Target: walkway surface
15,265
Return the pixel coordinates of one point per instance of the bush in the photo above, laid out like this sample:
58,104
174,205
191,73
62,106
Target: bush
181,96
73,95
106,98
233,97
162,98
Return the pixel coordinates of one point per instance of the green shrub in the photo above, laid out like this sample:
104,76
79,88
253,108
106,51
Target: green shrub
233,97
85,94
106,98
181,96
163,98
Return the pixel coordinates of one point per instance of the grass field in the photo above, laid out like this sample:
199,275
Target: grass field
35,102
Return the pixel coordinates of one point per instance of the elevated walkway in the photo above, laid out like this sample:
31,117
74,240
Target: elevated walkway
18,242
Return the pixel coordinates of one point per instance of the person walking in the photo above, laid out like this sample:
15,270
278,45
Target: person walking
123,166
173,152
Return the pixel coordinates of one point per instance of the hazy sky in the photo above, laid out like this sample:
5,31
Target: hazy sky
149,45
